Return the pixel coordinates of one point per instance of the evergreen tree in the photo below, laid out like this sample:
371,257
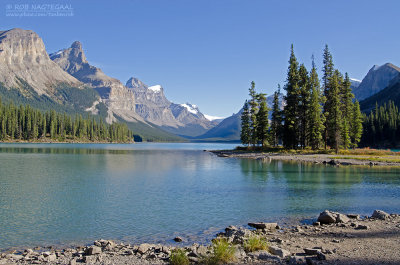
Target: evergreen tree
328,71
262,120
314,115
334,118
290,137
276,119
347,110
245,134
253,113
356,128
304,104
345,134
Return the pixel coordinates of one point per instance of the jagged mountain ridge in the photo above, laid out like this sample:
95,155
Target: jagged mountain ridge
29,76
134,101
119,100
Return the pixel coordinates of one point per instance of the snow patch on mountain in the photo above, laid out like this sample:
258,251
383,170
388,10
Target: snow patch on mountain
156,88
355,80
211,118
191,108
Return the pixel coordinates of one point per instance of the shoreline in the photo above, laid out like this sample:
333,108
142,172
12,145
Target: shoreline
334,239
326,159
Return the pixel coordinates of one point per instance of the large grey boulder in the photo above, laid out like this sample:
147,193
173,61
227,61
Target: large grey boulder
93,250
379,214
328,217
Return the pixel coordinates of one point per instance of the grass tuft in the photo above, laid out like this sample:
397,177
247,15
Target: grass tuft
255,243
178,257
222,252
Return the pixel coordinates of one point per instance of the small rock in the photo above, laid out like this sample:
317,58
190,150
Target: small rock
362,227
311,261
194,259
311,251
93,250
51,258
379,214
178,239
279,251
72,262
333,162
129,252
262,225
143,248
335,241
316,224
46,254
262,255
341,218
354,216
294,260
321,256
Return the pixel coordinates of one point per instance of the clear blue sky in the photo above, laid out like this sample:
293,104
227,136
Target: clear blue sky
206,52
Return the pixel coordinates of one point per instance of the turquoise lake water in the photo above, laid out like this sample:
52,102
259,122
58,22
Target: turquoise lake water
76,193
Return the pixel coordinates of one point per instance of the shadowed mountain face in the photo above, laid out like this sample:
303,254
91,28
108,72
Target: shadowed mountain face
377,78
227,130
390,93
23,56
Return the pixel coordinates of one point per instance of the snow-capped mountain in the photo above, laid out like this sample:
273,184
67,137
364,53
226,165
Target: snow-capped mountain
152,105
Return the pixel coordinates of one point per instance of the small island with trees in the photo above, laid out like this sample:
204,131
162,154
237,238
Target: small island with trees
316,122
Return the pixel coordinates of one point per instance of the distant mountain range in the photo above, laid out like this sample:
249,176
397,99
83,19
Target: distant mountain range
66,81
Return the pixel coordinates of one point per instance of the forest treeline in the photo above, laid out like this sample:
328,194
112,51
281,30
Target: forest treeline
382,126
30,124
314,115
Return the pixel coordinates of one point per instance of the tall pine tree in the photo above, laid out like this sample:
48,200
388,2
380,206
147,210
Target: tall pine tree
290,137
276,119
253,111
356,128
314,115
262,119
304,104
328,70
245,133
334,117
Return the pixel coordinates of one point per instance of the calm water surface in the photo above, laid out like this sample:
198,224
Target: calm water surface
76,193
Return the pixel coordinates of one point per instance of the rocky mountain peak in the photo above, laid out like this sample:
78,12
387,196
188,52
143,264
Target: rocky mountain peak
135,84
76,45
23,56
377,78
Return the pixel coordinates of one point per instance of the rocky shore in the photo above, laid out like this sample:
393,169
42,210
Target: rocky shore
334,238
335,160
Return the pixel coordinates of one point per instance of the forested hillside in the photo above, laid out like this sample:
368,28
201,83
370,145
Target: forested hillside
30,124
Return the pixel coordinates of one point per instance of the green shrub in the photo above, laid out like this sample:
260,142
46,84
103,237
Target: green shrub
255,243
222,252
178,257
